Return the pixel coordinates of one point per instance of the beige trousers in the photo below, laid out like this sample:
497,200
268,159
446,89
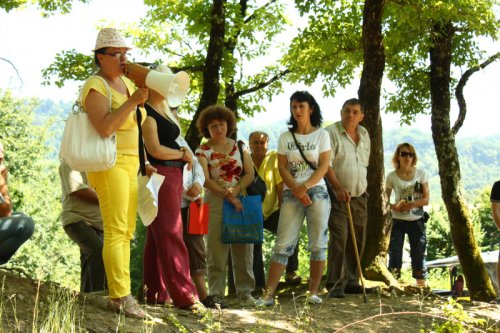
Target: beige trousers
217,254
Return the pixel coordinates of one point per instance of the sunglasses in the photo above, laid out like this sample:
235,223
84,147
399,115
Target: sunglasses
406,154
118,55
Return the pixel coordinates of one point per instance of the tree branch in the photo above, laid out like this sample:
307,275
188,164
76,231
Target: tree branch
459,91
13,66
251,17
192,69
261,84
232,41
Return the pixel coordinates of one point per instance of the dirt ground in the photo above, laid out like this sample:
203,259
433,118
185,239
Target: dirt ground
28,306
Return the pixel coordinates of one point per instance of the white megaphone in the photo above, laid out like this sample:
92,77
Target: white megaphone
173,87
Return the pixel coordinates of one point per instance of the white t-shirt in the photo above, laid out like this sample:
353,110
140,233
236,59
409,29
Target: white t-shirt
312,144
405,190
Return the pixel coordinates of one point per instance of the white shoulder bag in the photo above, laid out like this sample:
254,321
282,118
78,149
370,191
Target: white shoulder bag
82,148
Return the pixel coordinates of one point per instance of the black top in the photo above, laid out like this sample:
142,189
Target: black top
167,132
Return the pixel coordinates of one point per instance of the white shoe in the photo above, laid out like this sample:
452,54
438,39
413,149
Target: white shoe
314,299
249,300
264,302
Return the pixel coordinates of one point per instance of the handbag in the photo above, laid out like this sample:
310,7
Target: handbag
257,186
245,226
82,148
329,188
198,218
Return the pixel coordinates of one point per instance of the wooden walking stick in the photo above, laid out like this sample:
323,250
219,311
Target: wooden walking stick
358,262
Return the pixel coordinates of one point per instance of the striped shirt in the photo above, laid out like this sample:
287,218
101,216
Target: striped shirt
350,161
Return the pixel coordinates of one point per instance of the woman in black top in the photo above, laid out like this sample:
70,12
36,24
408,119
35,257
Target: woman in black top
166,262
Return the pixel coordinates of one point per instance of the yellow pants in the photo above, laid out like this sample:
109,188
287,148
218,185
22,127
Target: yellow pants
117,192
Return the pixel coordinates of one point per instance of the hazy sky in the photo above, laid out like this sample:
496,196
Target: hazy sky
30,42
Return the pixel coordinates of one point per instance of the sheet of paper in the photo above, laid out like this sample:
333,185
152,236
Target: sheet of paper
147,206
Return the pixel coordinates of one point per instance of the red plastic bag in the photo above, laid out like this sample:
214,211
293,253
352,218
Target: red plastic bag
198,219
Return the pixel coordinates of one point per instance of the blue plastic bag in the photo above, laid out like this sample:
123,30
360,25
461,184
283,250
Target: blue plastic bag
245,227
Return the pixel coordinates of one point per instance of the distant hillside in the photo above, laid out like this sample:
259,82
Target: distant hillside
479,157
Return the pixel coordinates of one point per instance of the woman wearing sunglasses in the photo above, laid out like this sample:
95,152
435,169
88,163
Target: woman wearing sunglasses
411,189
116,188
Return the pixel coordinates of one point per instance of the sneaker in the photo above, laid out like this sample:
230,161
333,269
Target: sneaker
214,302
336,293
248,300
264,302
314,299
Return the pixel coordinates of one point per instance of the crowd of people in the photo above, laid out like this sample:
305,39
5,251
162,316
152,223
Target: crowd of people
317,175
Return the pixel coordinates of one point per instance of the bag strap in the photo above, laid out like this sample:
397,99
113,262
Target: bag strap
142,159
240,148
106,85
328,185
302,153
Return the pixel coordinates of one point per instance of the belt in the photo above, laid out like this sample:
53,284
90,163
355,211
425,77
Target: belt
173,164
400,220
361,196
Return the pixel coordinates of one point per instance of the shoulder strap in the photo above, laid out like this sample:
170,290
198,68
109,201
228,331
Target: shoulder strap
301,152
142,158
240,148
108,91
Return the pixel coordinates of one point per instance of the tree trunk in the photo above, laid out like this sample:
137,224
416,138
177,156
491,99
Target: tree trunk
211,70
231,100
478,281
369,94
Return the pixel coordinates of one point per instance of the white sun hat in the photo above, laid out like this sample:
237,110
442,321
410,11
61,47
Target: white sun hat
110,37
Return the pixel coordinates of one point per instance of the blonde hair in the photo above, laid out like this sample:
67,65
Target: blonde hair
395,161
169,114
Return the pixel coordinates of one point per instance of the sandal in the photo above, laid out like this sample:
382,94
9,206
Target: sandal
196,307
129,307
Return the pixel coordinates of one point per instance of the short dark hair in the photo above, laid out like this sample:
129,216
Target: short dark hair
304,96
216,112
353,101
102,50
258,133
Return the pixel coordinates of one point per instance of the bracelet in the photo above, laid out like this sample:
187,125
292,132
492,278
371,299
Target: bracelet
305,185
147,162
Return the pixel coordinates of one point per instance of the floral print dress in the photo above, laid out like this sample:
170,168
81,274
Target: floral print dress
225,169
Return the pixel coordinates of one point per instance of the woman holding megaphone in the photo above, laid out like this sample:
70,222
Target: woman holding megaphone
110,100
166,262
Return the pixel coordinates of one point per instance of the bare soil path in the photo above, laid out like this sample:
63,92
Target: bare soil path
29,306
